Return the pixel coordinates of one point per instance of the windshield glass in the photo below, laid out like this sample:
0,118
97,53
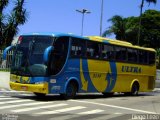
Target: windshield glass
28,56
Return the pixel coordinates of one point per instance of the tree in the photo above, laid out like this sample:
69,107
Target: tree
9,23
118,27
3,4
141,10
150,29
158,58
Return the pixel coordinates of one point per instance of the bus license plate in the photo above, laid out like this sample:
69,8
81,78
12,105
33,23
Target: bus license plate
24,88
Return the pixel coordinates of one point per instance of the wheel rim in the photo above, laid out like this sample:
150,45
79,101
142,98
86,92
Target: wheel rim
70,92
135,90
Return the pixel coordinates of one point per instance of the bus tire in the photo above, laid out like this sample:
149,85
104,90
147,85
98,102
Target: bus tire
108,94
71,91
40,95
135,89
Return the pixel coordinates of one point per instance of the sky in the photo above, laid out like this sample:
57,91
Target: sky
61,15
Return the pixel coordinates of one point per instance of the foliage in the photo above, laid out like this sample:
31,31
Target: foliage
158,58
150,29
150,1
140,17
118,27
9,23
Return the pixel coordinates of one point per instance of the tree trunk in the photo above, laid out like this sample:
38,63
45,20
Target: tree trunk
140,19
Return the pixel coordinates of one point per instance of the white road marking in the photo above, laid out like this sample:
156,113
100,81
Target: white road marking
61,110
21,105
2,96
8,98
118,113
8,90
39,107
15,101
91,112
114,106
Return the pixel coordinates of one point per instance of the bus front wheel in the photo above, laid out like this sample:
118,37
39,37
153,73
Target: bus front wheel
40,95
71,91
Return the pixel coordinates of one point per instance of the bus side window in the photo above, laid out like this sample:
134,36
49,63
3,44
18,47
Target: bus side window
89,52
59,55
132,55
107,52
73,50
77,47
143,57
104,54
93,50
121,53
152,58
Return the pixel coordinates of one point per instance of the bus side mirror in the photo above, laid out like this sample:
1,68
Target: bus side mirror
6,50
47,53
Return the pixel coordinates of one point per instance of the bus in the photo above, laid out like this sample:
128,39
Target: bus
67,64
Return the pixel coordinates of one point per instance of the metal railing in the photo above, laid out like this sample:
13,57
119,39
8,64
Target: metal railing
5,65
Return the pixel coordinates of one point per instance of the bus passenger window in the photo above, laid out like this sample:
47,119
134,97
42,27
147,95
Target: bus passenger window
104,55
121,53
152,58
143,57
89,52
93,50
132,55
107,52
78,47
76,51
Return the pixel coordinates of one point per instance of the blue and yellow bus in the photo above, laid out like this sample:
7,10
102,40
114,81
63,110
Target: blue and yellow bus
66,64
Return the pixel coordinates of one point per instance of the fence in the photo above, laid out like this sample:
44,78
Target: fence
6,64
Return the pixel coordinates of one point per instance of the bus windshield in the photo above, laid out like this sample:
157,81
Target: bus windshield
28,56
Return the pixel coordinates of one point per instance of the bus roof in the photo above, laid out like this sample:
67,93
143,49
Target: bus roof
92,38
57,34
118,42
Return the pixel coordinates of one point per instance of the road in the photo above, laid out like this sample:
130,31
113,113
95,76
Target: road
25,106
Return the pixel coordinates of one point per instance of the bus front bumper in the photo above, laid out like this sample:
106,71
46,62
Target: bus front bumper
37,88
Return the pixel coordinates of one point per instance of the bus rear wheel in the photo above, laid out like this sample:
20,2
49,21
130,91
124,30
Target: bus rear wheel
108,94
135,89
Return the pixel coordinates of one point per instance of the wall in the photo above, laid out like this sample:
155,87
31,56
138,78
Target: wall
4,80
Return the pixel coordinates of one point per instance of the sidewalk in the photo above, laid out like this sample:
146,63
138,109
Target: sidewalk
158,79
157,84
4,80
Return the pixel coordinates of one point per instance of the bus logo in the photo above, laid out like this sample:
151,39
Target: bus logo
97,81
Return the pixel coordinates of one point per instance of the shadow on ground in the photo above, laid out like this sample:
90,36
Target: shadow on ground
79,96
